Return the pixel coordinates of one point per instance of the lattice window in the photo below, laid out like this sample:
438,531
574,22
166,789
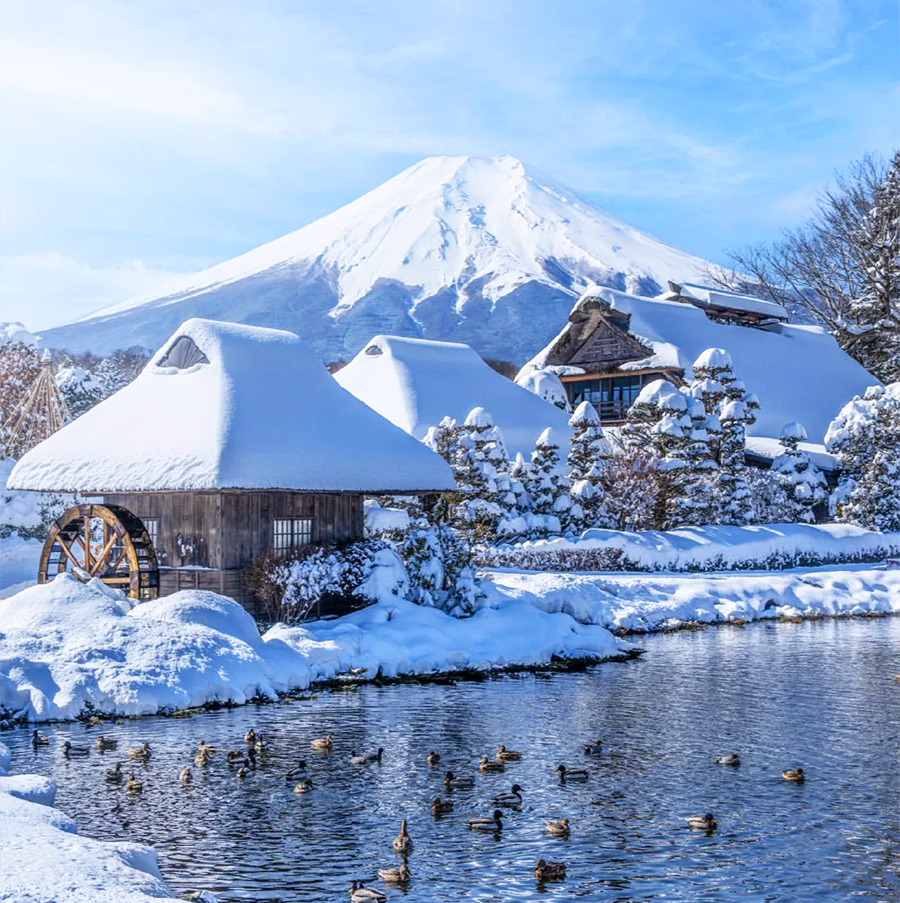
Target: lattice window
291,533
152,526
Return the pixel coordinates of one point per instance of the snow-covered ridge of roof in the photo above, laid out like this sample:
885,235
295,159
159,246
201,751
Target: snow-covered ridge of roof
718,297
246,408
415,383
798,372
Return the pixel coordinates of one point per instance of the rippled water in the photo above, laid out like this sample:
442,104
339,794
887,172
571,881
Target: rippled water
820,695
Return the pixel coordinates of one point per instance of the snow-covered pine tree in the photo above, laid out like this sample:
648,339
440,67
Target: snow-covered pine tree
732,491
866,436
80,388
700,503
802,480
589,450
547,484
482,496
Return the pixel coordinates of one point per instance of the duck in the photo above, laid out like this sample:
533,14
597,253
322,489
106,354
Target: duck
794,774
141,752
203,745
703,822
114,775
39,739
395,876
103,743
322,743
571,774
557,828
441,807
734,760
295,773
304,786
433,758
549,871
260,745
366,758
243,771
507,755
359,893
463,782
403,842
132,785
71,752
236,757
511,798
488,767
201,760
594,749
185,776
494,823
250,737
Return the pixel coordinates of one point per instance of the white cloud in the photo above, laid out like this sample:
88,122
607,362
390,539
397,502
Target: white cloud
48,289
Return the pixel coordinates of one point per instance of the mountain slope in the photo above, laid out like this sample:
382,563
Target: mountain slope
478,250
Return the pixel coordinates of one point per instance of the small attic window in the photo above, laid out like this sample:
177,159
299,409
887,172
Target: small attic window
183,354
373,349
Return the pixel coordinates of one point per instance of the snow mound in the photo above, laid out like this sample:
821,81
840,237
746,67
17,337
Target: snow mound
10,333
415,384
247,408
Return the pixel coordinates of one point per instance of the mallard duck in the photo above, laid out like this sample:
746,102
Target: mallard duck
734,760
433,758
132,785
243,771
114,775
359,893
703,822
395,876
403,842
104,744
571,774
549,871
201,760
185,776
794,774
511,798
304,786
494,823
486,766
557,828
366,758
463,782
71,752
594,749
250,737
39,739
203,745
441,807
322,743
141,752
295,773
261,745
507,755
236,757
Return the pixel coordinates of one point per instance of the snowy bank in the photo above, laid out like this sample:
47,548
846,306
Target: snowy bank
45,861
67,648
650,602
711,548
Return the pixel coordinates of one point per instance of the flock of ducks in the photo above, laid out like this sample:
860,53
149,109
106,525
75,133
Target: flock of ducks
256,745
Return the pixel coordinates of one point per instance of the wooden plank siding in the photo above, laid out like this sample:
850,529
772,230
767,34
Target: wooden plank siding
206,539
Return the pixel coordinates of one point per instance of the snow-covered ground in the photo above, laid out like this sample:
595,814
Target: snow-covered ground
45,861
654,601
66,647
724,548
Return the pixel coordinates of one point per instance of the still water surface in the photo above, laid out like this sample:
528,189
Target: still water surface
819,695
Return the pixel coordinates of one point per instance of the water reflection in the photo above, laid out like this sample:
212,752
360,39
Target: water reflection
820,695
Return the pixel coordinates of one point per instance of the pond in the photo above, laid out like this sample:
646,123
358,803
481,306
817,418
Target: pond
820,695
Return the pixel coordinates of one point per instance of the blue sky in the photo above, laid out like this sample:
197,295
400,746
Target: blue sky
143,139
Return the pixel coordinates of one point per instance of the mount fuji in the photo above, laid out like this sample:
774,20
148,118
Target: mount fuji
485,251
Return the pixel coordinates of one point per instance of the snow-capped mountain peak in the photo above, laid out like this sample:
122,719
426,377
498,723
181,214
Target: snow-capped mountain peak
475,249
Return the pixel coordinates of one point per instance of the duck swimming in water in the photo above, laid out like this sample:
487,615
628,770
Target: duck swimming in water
703,822
72,752
549,871
141,752
185,776
395,876
114,775
489,767
359,893
324,743
511,798
366,758
463,782
104,744
794,774
507,755
433,758
304,786
494,823
403,842
39,739
734,760
441,807
557,828
296,772
594,749
132,785
571,774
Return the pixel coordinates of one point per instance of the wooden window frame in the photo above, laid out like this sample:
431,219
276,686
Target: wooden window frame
289,533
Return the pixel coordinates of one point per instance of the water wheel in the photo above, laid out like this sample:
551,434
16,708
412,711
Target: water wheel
105,541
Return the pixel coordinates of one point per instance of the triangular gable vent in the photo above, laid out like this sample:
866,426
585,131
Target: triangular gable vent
183,354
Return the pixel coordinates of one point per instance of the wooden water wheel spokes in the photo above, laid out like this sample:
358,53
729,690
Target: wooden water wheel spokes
104,541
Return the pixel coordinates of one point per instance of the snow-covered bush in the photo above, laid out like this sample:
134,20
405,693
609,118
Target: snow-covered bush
589,452
80,388
865,436
769,501
802,481
547,484
545,384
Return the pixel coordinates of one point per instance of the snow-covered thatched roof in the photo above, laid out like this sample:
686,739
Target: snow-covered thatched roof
225,406
798,372
416,383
